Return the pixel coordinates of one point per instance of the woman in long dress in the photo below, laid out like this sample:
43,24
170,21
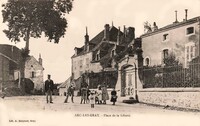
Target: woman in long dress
99,94
104,94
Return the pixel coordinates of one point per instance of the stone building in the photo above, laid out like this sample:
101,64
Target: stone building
180,38
10,67
34,71
97,57
171,64
10,57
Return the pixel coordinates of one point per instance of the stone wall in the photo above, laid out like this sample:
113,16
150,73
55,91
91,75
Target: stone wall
176,97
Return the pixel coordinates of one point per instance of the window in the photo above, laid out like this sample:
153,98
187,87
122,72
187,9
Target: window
32,74
97,57
189,52
147,61
81,63
74,65
87,62
189,30
165,54
165,37
112,53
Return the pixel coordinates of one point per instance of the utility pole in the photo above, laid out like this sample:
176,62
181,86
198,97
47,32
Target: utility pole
199,35
3,77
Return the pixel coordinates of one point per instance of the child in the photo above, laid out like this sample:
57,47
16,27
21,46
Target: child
113,96
92,99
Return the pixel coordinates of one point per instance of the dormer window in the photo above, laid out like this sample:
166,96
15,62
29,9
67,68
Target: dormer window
112,53
97,57
190,31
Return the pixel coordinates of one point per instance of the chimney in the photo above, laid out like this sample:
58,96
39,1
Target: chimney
118,36
176,21
106,32
40,59
124,31
130,34
86,40
155,27
186,10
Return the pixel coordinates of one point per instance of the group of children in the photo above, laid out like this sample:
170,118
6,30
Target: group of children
94,99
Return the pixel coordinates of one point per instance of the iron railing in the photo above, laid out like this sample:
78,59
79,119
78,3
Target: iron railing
171,76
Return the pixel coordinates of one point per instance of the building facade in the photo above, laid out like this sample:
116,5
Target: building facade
171,65
97,57
34,71
179,38
11,68
10,57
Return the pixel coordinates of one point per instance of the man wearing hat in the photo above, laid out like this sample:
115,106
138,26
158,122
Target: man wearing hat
49,88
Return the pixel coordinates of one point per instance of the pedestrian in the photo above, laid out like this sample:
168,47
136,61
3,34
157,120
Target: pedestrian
84,87
92,99
49,88
99,94
70,92
113,96
88,94
104,94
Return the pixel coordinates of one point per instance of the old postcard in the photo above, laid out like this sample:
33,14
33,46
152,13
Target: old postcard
99,62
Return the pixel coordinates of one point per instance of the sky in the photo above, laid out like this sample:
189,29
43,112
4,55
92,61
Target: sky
95,14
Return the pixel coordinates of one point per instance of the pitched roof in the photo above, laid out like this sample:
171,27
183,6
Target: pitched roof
65,84
171,26
97,40
32,57
11,52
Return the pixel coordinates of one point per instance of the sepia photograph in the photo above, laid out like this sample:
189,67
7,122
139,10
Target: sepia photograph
99,62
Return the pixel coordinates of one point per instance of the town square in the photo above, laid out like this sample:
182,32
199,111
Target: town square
131,62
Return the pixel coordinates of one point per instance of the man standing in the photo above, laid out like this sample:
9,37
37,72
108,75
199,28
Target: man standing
70,92
49,88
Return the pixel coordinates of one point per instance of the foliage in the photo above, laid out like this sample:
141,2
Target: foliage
107,77
31,18
171,76
129,50
147,27
14,91
171,60
26,85
106,62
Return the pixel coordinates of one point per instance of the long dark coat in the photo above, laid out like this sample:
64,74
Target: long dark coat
48,85
113,96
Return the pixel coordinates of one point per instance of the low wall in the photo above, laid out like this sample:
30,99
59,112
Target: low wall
177,97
